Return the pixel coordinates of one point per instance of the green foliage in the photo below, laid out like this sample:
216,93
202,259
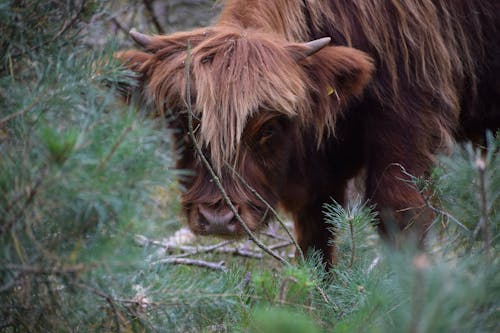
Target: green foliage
357,251
352,227
469,190
411,292
59,145
280,320
31,28
453,288
77,170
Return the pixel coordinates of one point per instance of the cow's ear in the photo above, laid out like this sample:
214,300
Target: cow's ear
339,71
133,59
335,75
138,62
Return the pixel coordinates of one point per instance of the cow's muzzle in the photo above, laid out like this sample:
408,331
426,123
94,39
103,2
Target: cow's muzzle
217,220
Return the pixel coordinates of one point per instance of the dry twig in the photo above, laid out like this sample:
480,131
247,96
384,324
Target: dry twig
483,200
283,288
149,7
212,173
269,207
353,242
118,142
120,25
280,245
426,198
221,247
219,266
273,235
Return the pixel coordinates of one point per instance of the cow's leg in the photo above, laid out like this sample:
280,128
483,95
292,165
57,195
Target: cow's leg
397,154
311,230
312,233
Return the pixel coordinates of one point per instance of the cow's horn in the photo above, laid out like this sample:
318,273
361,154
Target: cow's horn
316,45
141,39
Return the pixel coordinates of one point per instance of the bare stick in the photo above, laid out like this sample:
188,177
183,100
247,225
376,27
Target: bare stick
151,11
143,241
119,25
275,213
220,266
240,252
118,142
194,250
273,236
481,167
214,177
280,245
444,213
323,294
426,198
102,294
191,250
283,289
71,22
353,243
116,315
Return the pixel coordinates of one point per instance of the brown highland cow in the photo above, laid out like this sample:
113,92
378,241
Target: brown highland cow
296,115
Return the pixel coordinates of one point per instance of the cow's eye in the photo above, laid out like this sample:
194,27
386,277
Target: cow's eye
267,132
207,59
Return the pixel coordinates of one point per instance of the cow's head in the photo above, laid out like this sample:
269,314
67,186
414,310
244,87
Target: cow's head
253,96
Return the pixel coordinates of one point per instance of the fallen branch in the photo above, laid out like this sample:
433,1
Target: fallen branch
220,266
273,235
280,245
194,250
235,251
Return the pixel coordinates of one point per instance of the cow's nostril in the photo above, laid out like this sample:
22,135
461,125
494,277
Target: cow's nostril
203,221
216,221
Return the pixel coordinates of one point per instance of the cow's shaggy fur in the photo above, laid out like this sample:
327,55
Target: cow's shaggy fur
401,79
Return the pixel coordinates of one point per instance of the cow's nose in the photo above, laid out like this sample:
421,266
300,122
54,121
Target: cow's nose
217,221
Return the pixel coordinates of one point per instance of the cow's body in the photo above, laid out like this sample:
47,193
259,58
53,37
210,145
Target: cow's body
288,124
